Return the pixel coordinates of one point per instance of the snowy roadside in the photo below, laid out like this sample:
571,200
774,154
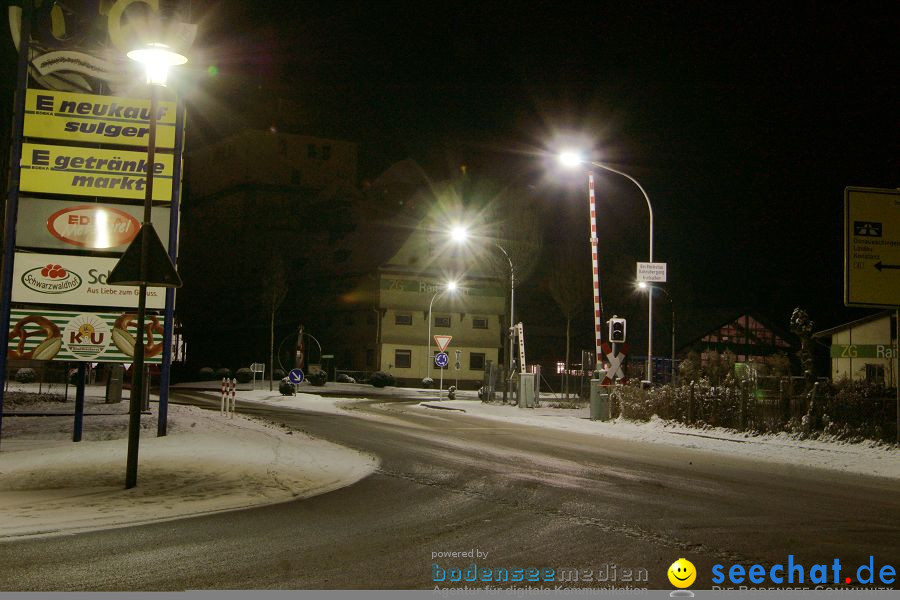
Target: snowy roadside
206,463
862,458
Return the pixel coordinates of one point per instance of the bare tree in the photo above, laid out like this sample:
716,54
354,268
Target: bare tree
273,289
570,289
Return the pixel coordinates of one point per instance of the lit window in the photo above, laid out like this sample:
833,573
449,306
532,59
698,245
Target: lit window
560,367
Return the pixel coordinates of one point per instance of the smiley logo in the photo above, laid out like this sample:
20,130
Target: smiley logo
682,573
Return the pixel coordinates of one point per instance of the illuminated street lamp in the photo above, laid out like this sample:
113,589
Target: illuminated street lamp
573,159
157,59
451,287
646,286
460,234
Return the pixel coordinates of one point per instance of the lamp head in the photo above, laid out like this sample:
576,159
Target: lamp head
643,285
570,159
459,234
451,286
157,59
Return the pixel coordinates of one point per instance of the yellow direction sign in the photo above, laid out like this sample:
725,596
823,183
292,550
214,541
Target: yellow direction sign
96,119
93,172
871,247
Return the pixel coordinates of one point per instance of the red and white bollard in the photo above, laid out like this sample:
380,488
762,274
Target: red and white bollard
229,397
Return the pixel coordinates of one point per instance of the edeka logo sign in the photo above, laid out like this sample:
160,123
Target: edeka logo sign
74,281
92,226
97,119
64,224
92,172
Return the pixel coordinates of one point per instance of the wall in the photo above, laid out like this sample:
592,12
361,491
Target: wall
854,348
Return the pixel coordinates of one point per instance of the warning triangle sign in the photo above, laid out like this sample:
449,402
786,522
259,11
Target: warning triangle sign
160,270
442,341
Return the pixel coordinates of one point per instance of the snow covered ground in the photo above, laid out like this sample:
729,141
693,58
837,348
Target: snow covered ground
206,463
867,458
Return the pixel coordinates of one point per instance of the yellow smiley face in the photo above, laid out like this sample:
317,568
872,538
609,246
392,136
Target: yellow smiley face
682,573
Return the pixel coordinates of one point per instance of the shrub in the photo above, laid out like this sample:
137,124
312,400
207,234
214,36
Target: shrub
25,375
427,383
223,372
318,378
244,375
286,388
344,378
381,379
206,374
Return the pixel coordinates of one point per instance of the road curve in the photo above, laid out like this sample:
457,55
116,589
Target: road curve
527,496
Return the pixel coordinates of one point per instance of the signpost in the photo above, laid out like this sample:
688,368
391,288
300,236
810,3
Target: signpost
871,247
296,376
442,342
258,368
872,255
651,272
441,360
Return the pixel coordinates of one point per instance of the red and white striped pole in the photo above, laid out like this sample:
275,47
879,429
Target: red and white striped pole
224,393
598,319
233,396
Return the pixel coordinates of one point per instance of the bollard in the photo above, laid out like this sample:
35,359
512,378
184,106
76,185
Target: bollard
224,393
233,396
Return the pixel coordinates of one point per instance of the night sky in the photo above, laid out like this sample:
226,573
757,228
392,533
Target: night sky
744,123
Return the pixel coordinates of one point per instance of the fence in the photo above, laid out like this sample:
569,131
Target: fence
772,404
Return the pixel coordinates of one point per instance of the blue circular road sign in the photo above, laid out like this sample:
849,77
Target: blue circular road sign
441,359
296,376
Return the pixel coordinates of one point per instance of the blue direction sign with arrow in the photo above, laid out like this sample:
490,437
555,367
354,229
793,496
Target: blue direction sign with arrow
296,376
441,359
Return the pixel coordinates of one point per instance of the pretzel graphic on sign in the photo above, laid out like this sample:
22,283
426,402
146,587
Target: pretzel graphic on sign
125,341
46,349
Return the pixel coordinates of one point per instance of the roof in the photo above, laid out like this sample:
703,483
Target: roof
868,319
702,321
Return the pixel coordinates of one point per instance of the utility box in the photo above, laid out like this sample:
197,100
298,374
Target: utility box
599,399
527,390
114,384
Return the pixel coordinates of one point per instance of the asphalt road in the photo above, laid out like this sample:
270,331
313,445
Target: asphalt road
528,497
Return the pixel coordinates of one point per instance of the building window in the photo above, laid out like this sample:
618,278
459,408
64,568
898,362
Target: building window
348,319
402,319
441,321
479,323
476,361
560,368
875,374
403,359
326,152
295,177
311,151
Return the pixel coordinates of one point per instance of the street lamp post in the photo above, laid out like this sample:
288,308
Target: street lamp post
460,234
156,59
572,159
650,288
449,286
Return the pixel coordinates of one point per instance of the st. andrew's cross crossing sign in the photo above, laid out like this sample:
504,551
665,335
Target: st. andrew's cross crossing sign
615,363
